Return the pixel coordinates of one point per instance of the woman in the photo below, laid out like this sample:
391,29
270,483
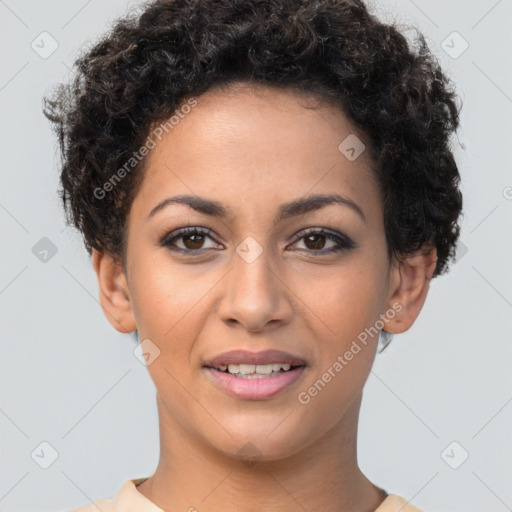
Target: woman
266,189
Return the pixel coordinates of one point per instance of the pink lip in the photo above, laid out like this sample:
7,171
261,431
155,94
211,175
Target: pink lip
257,388
246,357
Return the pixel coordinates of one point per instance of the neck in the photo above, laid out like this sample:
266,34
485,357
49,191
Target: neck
322,476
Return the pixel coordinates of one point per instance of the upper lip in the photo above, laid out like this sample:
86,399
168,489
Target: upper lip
247,357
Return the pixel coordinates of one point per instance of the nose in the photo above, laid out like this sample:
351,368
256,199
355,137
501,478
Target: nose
255,295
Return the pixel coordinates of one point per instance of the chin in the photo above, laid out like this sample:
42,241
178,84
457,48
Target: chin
267,441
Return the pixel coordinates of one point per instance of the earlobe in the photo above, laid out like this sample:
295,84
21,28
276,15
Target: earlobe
114,293
410,284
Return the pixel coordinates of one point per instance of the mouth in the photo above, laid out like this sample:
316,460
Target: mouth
255,376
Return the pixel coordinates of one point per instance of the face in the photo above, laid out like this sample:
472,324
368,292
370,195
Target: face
261,269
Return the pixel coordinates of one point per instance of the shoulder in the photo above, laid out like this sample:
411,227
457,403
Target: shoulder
105,505
395,503
127,499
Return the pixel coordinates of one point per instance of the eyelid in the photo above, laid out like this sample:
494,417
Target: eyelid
186,230
343,241
324,231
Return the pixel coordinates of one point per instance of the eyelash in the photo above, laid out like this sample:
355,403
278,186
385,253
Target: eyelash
344,243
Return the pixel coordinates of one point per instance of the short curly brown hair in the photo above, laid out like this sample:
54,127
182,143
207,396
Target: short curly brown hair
148,65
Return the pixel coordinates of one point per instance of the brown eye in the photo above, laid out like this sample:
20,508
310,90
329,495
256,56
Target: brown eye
315,241
188,240
193,241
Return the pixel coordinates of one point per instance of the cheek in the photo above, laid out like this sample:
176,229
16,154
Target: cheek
347,299
167,299
169,308
345,346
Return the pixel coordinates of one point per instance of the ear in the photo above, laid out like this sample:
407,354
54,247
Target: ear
114,294
409,284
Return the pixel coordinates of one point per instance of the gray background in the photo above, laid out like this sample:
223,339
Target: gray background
70,380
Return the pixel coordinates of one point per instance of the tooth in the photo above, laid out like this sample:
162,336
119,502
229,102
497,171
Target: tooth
234,368
255,369
264,369
245,369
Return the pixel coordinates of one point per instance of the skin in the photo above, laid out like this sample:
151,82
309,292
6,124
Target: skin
252,149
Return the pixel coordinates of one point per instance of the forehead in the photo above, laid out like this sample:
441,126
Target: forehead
258,143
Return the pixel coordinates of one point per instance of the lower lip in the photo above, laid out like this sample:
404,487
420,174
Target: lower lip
255,388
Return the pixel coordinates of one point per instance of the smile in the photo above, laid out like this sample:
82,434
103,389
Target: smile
254,376
255,386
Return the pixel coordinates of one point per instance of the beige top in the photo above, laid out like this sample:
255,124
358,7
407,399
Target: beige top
129,499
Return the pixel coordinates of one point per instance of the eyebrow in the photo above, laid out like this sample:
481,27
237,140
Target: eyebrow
287,210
